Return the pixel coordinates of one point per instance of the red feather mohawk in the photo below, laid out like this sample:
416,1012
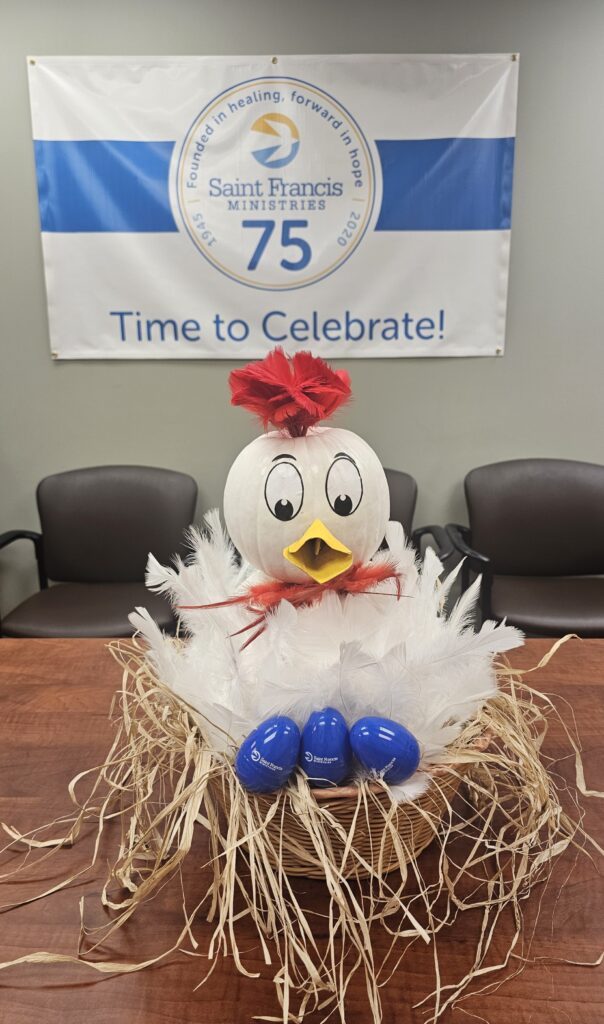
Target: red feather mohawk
291,392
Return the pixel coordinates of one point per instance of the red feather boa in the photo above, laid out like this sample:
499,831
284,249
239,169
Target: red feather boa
262,598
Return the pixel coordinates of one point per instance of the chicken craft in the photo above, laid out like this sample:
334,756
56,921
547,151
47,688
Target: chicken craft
310,647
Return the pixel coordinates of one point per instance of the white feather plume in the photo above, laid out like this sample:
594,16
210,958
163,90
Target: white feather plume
363,654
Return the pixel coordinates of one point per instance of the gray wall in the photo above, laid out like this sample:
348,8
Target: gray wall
435,418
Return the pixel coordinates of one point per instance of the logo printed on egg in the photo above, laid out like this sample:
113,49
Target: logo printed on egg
268,764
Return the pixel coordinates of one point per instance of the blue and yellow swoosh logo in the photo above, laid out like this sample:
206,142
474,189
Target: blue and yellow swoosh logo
285,143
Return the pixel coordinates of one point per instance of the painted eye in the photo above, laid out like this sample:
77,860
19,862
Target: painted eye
343,486
284,491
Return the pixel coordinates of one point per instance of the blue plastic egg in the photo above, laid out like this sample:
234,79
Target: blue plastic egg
325,752
385,748
268,756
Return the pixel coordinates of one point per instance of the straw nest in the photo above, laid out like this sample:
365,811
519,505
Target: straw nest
493,809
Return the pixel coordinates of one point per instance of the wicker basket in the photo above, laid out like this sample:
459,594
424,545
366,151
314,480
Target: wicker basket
415,822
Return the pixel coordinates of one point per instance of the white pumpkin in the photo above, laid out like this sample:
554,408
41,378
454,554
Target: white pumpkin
307,508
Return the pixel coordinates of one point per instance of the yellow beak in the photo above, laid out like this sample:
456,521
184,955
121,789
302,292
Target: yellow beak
319,554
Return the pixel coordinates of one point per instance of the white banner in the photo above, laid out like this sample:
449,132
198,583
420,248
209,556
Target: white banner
213,207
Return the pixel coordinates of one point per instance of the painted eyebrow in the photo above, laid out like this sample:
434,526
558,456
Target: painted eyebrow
284,457
343,455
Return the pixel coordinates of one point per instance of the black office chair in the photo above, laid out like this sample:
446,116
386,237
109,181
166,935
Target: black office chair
536,535
98,527
403,498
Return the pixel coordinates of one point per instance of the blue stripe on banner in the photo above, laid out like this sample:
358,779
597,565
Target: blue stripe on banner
104,186
456,184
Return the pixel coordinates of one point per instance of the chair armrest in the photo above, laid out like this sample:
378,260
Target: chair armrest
11,535
444,546
475,562
459,536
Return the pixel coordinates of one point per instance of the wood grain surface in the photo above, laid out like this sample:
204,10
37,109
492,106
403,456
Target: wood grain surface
54,702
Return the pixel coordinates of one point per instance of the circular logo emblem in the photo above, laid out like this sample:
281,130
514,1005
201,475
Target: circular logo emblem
307,756
275,183
255,754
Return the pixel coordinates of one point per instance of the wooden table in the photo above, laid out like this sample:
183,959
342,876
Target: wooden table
54,699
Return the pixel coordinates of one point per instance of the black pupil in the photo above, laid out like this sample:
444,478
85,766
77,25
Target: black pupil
343,505
284,509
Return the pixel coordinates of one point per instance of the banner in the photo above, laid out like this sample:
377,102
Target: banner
213,207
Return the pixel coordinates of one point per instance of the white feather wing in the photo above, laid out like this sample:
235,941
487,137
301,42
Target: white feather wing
363,654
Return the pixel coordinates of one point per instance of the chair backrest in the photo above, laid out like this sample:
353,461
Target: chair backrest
538,517
99,524
403,496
